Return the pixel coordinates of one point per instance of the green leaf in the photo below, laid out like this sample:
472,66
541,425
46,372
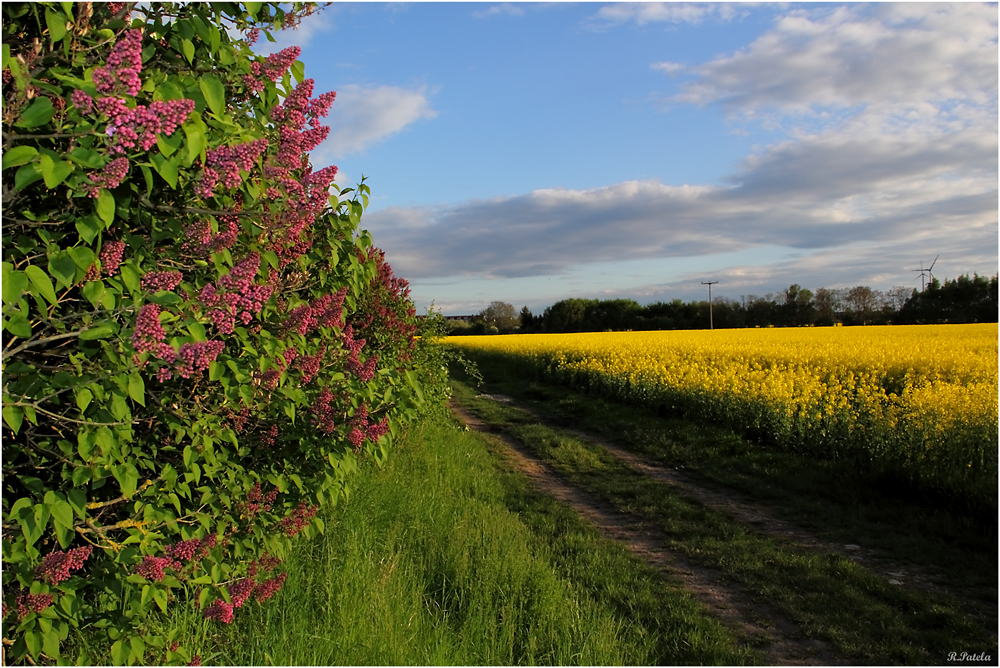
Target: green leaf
13,416
39,113
83,398
83,257
252,8
187,46
62,268
26,175
56,25
50,639
62,513
214,92
99,332
137,389
42,282
19,155
130,277
31,640
168,145
128,477
165,168
299,70
119,408
106,207
119,653
18,325
54,172
88,227
93,291
196,142
15,284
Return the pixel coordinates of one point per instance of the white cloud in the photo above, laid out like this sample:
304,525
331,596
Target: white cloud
365,115
882,57
668,67
642,13
502,9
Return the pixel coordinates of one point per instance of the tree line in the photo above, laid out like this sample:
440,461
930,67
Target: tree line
962,300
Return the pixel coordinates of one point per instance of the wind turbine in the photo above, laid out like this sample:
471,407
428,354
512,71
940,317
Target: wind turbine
926,272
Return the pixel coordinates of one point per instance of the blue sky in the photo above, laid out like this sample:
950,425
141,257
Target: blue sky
530,152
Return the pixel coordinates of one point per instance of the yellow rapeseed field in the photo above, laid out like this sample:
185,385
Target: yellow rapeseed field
919,400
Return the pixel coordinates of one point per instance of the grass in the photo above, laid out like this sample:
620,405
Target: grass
860,613
445,557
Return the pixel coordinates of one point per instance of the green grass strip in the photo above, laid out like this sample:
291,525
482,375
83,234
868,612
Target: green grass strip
445,557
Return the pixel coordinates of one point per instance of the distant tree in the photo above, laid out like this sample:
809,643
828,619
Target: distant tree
611,314
567,315
500,315
798,308
527,320
962,300
827,304
896,297
862,302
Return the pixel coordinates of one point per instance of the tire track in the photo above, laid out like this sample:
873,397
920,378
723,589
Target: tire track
745,511
781,641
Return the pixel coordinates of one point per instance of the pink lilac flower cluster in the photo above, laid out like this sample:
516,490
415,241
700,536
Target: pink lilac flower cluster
225,163
195,660
138,127
220,610
235,295
269,588
362,428
310,365
110,176
111,256
326,311
297,200
120,73
198,356
257,501
56,566
298,519
156,281
154,568
239,419
82,101
28,603
365,372
270,379
149,335
269,437
241,590
323,412
203,241
273,67
263,564
193,549
253,35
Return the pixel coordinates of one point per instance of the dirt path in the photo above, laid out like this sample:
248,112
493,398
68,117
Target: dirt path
781,642
744,510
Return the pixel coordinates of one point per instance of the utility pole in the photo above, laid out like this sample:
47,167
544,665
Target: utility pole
711,325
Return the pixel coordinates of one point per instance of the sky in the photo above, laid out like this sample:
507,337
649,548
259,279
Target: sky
533,152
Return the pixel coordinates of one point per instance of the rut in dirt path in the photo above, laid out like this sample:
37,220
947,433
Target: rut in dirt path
781,641
745,511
